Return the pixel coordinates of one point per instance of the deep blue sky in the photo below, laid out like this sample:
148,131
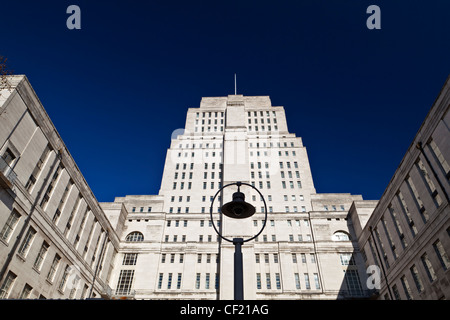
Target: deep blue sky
356,96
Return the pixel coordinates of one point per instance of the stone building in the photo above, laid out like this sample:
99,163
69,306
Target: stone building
57,241
408,234
169,248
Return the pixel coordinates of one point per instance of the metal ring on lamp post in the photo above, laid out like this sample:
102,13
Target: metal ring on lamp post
220,211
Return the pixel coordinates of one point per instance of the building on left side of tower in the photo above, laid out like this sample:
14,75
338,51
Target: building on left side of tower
55,240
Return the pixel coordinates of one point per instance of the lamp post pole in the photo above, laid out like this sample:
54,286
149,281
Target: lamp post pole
238,269
238,209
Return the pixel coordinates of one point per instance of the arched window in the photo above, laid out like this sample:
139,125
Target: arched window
135,237
340,236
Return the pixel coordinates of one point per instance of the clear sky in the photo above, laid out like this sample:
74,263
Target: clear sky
356,96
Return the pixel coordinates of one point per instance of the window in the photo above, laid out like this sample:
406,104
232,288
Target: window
316,280
268,284
9,226
438,155
62,284
207,281
33,177
396,293
406,287
6,285
297,280
352,281
277,280
258,281
126,280
442,255
307,284
429,183
407,214
26,243
428,267
26,292
135,237
53,268
41,255
169,281
179,281
129,259
53,182
416,278
340,236
347,259
197,281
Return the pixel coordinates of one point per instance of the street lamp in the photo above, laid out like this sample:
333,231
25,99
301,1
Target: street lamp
238,209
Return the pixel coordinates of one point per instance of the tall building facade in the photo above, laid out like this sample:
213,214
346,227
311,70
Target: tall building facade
55,240
408,235
169,248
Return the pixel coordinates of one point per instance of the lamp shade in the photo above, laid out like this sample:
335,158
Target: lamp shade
238,208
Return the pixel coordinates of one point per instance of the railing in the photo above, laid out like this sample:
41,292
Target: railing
7,172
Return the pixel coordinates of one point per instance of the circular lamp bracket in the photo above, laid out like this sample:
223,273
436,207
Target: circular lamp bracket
237,184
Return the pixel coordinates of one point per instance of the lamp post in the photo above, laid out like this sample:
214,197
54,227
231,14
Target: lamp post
238,209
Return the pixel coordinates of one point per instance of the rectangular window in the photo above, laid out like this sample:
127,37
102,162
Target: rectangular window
396,293
9,226
268,284
40,164
278,280
307,284
7,285
26,292
129,259
406,288
429,183
398,227
418,201
53,182
416,278
125,282
438,155
197,281
407,214
207,281
258,281
353,282
428,267
53,268
41,256
297,280
441,254
179,281
169,281
62,284
26,243
316,280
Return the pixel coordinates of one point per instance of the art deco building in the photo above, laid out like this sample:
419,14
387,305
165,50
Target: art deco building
57,241
169,248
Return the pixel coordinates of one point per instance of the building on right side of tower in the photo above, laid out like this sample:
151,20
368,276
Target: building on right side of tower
407,237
